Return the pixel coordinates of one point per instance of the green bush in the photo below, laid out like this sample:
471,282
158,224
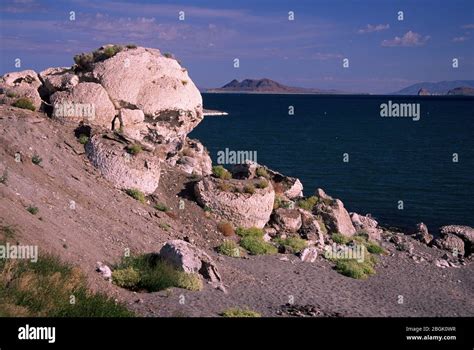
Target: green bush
155,274
44,289
84,60
353,268
136,194
374,248
24,103
225,187
220,172
261,184
257,246
292,244
308,203
134,149
249,188
126,278
229,248
83,139
161,207
36,159
111,51
261,171
236,312
340,238
252,231
32,209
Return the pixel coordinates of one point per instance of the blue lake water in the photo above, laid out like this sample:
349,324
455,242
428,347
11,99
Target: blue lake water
390,159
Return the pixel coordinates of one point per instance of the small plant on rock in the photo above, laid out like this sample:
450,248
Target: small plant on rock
32,209
226,228
24,103
83,139
261,184
134,149
292,244
220,172
230,248
308,203
261,171
36,159
236,312
161,207
249,188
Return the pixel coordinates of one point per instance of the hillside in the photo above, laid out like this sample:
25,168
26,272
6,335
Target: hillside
439,88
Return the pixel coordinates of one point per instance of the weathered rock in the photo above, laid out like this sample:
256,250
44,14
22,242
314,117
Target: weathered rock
309,254
58,79
442,263
190,259
24,84
104,270
402,243
124,171
289,187
335,216
466,233
85,102
422,234
131,122
288,220
144,79
311,228
241,209
192,159
368,225
451,243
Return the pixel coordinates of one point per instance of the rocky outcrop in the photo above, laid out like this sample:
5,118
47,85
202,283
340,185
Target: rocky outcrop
58,79
466,233
190,259
451,243
85,102
368,225
287,220
23,84
312,229
289,187
228,201
335,216
422,234
193,159
125,171
309,254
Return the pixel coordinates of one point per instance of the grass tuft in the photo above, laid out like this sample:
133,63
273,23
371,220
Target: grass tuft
24,103
220,172
136,194
237,312
229,248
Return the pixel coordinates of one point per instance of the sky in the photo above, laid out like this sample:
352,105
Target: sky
384,53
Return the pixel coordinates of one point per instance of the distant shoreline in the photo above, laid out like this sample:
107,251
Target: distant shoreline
336,94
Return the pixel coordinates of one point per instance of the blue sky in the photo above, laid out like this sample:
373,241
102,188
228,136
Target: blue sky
384,54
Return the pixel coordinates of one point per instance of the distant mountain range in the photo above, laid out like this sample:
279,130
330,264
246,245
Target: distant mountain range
439,88
268,86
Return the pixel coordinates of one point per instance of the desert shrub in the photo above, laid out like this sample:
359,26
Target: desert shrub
83,139
11,94
8,232
111,51
226,228
257,246
292,244
134,149
164,226
168,55
84,60
229,248
220,172
225,187
24,103
322,225
308,203
43,289
340,238
131,46
155,274
261,171
252,231
32,209
236,312
249,188
126,278
280,202
136,194
161,207
36,159
261,184
374,248
353,268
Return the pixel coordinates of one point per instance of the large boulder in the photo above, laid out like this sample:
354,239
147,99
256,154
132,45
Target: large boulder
422,233
58,79
367,224
23,84
228,201
85,102
335,216
450,242
123,170
144,79
190,259
288,220
312,229
466,233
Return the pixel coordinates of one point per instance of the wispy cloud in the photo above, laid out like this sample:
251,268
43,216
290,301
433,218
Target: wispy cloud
468,26
21,6
410,39
373,28
460,39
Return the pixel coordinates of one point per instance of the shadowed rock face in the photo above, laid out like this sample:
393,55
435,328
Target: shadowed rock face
334,214
24,84
241,209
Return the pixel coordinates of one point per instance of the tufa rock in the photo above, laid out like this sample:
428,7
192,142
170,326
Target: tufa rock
289,220
368,225
335,216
